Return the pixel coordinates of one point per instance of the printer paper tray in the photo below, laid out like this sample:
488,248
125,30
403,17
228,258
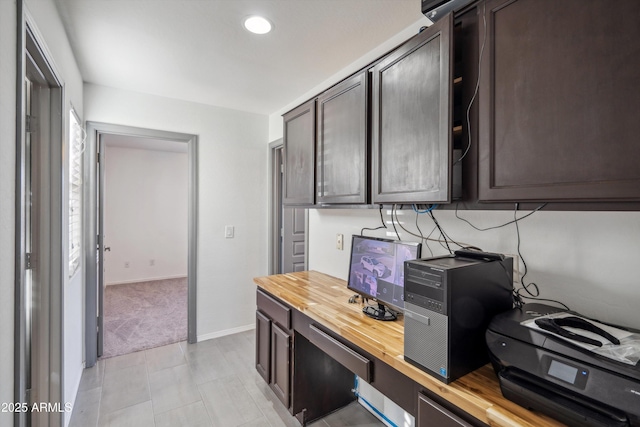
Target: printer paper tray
528,391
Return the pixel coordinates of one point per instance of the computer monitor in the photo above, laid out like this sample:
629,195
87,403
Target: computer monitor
376,271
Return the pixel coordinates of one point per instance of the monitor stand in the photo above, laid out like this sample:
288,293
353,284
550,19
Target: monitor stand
380,312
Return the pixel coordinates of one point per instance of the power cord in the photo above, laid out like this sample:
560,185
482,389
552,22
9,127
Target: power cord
475,92
428,238
526,290
515,220
394,209
535,295
422,239
377,228
442,233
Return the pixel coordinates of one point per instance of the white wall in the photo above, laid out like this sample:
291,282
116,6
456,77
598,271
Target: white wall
145,214
585,259
232,162
7,198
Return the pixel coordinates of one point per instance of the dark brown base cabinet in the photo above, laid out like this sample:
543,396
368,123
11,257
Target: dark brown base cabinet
263,346
273,345
280,363
312,370
431,414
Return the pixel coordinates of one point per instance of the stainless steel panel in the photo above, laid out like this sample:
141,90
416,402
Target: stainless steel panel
426,338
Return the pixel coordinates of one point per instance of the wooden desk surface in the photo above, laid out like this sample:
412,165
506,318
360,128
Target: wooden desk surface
324,299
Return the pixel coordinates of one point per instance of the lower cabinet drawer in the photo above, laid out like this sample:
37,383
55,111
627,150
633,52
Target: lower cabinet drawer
350,359
432,414
278,312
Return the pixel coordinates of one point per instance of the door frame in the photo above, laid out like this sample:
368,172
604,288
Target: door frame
275,206
38,328
92,240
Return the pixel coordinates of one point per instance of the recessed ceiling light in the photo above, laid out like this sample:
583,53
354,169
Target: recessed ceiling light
257,25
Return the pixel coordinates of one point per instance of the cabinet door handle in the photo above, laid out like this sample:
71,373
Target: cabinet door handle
350,359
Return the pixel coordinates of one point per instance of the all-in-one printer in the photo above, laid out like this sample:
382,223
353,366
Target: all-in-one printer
577,370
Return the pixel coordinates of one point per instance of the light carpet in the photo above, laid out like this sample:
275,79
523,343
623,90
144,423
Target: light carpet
138,316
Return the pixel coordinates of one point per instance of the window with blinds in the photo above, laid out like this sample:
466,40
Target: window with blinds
76,148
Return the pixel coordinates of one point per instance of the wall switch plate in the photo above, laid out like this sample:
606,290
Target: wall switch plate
339,242
228,231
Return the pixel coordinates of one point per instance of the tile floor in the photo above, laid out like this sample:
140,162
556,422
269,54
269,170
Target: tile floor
211,383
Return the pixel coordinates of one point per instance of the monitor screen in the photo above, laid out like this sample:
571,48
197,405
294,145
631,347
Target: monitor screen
376,268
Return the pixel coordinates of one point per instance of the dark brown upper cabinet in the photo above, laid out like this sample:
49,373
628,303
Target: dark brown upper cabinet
412,119
559,101
299,155
342,142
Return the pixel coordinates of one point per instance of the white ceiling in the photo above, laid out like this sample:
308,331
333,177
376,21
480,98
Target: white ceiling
198,50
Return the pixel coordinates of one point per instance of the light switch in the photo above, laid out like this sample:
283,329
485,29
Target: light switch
339,242
228,231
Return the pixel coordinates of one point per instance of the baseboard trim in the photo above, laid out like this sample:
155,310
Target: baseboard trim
226,332
146,279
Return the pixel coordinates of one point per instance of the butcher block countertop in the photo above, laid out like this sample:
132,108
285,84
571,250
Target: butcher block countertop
324,299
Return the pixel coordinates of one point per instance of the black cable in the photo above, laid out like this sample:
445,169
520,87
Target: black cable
426,242
465,246
377,228
475,92
444,236
532,295
393,208
457,243
426,238
448,238
429,238
501,225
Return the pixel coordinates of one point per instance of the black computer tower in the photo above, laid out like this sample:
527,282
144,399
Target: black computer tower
448,304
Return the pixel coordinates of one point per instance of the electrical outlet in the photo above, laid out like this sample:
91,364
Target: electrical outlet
152,262
229,231
126,264
339,242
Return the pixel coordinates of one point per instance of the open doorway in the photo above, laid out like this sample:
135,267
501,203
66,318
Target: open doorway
146,239
146,244
288,225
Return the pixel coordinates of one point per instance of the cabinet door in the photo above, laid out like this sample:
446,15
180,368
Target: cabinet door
299,155
263,346
559,100
430,414
411,119
280,363
342,140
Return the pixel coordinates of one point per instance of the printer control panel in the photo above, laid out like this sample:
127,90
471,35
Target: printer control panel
573,374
